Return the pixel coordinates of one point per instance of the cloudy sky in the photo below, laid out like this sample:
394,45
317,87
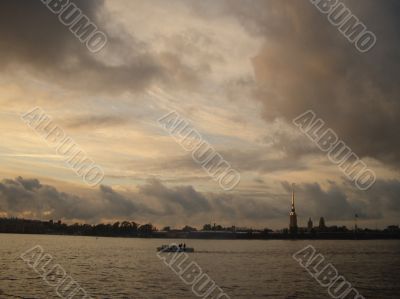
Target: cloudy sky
239,71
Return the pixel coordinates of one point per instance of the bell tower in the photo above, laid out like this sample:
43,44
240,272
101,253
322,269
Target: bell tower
293,215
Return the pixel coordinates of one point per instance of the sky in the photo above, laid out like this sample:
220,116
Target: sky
239,72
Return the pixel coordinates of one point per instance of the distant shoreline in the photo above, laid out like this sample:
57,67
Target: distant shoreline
128,229
217,236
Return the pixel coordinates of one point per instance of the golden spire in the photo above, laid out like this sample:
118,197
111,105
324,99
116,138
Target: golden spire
293,209
292,214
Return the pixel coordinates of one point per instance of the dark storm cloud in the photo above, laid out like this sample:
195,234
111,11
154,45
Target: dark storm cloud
383,197
185,197
21,195
306,63
155,201
33,39
185,200
30,197
332,203
32,35
43,201
342,202
117,205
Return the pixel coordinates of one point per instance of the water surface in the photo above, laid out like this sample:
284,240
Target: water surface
130,268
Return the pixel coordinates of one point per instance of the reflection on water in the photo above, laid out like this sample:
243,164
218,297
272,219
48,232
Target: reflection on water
130,268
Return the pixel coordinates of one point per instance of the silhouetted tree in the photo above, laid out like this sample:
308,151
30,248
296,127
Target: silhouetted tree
207,227
146,228
189,229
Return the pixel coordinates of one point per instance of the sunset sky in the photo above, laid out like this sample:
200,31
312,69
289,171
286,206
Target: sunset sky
239,71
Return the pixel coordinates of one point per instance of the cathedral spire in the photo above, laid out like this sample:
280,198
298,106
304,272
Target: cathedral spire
293,208
293,215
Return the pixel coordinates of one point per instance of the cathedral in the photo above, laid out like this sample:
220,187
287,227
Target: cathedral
293,215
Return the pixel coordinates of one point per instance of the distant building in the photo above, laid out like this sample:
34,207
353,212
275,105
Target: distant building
322,225
310,225
392,228
293,215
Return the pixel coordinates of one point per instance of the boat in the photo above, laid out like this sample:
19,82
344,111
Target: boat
174,248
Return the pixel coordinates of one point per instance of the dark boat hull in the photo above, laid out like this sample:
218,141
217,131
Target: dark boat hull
172,249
